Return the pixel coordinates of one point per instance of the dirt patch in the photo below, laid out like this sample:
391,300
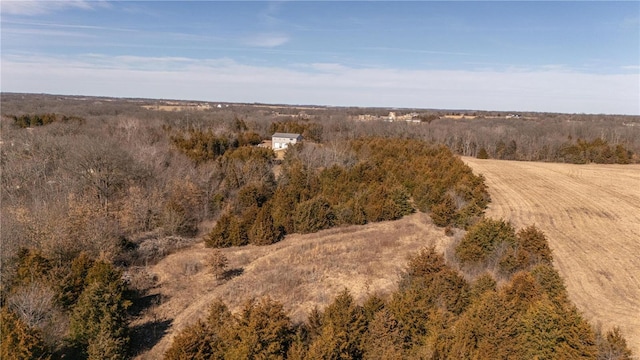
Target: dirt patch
591,215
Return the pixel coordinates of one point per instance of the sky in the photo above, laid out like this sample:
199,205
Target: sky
547,56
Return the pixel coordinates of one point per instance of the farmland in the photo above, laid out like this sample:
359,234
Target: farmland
591,215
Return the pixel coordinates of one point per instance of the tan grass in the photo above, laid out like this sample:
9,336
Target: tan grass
302,271
591,215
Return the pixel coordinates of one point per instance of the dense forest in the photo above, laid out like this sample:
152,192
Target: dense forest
92,187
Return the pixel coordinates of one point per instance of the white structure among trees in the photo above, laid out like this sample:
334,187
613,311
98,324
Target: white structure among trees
282,140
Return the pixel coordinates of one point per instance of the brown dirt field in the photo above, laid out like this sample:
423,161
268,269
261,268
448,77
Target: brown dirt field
302,271
591,215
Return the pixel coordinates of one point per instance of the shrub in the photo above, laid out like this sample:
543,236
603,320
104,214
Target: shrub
483,239
218,263
313,215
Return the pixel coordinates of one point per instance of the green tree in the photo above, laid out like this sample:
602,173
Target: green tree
534,242
17,340
208,338
481,285
263,231
228,231
218,263
313,215
444,213
428,287
540,331
29,266
73,282
263,331
99,324
482,239
196,342
384,339
612,345
343,328
483,154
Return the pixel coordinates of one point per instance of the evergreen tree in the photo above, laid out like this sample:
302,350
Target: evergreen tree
343,328
99,318
263,331
384,339
196,342
534,242
263,230
444,213
17,340
206,339
482,239
313,215
483,154
612,346
73,282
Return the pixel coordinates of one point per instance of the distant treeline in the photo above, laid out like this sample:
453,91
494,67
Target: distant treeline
581,152
25,121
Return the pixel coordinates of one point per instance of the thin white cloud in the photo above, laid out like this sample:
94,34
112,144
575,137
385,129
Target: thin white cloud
267,40
43,33
326,67
68,26
420,51
329,84
39,7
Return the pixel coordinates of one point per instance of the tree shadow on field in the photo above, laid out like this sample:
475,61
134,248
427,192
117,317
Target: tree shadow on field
146,336
143,303
231,273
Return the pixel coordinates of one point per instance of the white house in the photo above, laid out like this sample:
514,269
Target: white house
282,140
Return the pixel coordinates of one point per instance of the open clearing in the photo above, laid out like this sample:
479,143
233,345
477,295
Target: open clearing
591,215
302,271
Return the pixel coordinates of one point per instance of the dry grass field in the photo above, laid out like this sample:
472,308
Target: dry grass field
302,271
591,215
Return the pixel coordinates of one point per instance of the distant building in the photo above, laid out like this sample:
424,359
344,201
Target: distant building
282,140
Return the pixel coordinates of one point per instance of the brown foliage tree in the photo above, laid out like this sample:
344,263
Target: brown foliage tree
612,345
218,263
19,341
343,329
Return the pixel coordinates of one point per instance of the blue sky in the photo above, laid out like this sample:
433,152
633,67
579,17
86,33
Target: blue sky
576,57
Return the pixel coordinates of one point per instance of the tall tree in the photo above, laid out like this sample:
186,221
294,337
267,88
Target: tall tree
99,324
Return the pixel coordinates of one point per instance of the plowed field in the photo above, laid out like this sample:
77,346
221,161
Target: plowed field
591,215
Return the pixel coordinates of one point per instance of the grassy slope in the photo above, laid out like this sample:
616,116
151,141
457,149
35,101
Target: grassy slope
301,271
591,215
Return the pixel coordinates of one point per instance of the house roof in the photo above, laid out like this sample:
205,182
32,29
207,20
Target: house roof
285,135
